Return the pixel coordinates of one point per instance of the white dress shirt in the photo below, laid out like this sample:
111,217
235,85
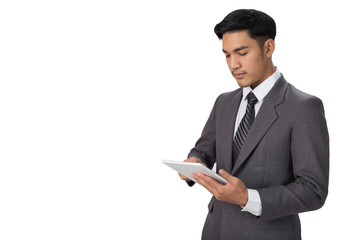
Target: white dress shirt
254,202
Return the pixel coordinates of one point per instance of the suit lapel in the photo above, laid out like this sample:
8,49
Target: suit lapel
229,124
266,116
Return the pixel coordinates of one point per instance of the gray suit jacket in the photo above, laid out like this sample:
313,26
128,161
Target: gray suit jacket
285,157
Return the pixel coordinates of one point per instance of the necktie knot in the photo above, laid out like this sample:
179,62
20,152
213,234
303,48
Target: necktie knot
251,99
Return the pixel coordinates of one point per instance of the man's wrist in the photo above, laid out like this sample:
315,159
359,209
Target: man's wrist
244,198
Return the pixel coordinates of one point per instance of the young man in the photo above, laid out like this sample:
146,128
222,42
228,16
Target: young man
269,140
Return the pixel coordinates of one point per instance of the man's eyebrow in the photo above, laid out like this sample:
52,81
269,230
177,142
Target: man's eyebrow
237,49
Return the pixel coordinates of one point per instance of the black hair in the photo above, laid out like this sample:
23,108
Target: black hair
260,26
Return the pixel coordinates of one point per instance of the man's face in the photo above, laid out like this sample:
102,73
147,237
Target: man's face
248,63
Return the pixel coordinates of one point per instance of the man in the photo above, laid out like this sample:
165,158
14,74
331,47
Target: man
268,139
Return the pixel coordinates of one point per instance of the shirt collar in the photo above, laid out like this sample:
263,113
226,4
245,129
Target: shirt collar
264,88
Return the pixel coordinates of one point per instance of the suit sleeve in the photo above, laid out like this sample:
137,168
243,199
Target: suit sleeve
310,158
205,147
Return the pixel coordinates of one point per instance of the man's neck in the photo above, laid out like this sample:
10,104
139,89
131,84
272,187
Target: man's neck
268,72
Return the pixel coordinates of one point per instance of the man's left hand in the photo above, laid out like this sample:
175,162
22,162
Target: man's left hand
234,191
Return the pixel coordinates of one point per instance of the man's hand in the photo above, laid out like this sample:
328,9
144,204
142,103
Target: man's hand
234,191
194,160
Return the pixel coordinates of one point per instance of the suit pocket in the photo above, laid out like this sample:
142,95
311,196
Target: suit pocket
211,204
284,223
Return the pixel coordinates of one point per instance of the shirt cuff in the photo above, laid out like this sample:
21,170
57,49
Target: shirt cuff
253,205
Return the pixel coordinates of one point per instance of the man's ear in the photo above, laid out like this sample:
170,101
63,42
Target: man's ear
269,47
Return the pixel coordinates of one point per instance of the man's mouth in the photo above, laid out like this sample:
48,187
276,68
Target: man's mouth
239,74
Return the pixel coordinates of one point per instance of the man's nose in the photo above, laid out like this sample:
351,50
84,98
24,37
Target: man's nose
234,63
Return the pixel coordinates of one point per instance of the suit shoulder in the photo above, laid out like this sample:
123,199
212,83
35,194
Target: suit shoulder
299,96
303,104
229,95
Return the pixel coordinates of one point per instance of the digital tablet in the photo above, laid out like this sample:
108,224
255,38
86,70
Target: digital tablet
188,168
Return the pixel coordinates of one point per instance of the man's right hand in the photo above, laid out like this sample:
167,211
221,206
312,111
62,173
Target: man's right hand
193,160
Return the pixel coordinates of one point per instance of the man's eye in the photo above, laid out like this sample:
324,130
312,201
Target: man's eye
242,54
227,56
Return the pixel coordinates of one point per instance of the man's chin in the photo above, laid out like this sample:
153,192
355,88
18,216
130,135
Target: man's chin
242,83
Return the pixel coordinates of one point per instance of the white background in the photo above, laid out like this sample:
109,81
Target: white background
93,94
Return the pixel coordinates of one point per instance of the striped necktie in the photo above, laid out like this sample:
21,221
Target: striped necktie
244,126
